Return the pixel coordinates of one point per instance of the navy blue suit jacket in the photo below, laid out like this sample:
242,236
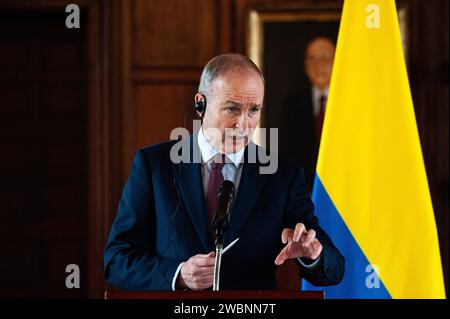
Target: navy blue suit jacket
162,221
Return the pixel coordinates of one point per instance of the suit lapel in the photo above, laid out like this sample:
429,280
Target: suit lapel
250,186
189,178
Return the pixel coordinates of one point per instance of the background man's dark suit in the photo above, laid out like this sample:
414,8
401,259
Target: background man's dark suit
297,133
162,221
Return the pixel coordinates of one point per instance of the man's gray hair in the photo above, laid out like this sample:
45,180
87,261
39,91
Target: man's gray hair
224,63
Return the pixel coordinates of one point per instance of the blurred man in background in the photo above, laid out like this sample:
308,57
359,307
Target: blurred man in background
303,113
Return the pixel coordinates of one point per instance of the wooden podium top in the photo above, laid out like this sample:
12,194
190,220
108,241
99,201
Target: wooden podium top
208,294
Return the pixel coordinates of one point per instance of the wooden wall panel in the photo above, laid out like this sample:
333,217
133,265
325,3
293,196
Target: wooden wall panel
161,108
15,54
14,101
61,55
44,168
62,101
175,33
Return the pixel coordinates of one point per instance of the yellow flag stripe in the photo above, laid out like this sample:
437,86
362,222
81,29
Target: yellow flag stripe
370,160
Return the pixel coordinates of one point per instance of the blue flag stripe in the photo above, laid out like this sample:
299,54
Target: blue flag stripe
354,283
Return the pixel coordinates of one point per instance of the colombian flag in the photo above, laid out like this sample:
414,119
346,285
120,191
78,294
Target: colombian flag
371,191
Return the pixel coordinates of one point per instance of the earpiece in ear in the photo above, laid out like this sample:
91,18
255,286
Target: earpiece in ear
200,106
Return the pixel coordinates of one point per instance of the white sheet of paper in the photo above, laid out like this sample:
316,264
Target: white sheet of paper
229,246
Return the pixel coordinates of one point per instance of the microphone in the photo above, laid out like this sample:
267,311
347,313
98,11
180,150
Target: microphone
225,195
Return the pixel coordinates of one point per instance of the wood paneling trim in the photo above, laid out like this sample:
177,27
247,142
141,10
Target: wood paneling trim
169,76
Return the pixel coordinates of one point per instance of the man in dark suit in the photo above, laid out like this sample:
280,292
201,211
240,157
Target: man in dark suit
303,112
161,238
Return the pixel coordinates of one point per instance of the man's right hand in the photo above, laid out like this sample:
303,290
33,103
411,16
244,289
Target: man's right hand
197,273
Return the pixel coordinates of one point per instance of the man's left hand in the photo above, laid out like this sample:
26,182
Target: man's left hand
300,243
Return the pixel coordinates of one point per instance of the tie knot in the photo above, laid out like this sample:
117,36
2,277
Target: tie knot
218,162
322,99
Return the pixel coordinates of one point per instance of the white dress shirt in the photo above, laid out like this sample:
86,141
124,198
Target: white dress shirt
316,94
231,170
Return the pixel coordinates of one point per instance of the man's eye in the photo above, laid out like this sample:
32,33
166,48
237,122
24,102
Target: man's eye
254,110
232,109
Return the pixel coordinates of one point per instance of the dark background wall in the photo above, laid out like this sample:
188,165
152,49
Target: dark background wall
76,104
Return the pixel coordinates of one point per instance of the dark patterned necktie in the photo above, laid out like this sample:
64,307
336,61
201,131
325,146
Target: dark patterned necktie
214,182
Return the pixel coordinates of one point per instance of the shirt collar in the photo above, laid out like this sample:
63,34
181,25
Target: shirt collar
208,151
317,92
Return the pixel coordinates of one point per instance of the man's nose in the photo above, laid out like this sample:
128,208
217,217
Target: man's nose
243,123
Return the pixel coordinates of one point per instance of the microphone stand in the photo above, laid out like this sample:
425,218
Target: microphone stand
218,259
225,195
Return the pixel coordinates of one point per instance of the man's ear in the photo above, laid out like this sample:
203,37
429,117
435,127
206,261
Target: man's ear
197,97
200,104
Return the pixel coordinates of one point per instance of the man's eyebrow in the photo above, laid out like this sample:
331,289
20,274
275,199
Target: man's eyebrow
233,102
240,105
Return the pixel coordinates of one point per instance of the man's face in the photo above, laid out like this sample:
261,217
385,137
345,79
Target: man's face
233,110
319,62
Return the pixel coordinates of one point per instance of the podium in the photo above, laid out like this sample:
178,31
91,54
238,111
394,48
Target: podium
211,295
